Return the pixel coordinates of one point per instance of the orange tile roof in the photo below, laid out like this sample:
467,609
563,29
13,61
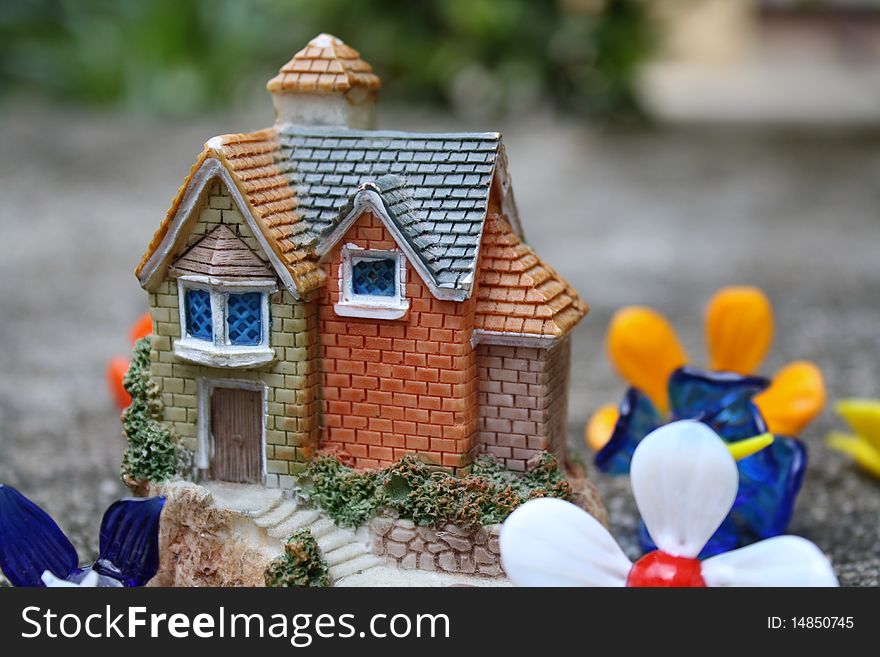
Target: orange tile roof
251,159
325,65
518,293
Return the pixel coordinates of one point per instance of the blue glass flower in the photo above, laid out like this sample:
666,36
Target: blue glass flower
35,552
769,479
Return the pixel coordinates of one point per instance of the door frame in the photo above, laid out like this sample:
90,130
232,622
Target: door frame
205,449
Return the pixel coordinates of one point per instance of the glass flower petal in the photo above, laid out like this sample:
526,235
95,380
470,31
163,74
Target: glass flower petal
739,329
141,328
864,453
637,418
723,400
550,542
684,481
129,542
780,561
30,542
643,347
769,482
863,416
598,431
795,397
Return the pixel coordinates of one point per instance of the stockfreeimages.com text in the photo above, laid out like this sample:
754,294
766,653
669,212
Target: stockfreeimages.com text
299,629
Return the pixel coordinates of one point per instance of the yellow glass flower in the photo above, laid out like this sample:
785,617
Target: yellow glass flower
863,417
645,350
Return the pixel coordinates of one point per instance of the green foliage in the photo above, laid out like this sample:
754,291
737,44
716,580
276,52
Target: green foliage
302,563
151,453
428,496
185,56
350,497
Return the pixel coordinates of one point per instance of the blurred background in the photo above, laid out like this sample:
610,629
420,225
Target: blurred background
659,150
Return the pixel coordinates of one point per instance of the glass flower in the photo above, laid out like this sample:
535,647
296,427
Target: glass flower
117,367
685,481
35,552
646,352
863,445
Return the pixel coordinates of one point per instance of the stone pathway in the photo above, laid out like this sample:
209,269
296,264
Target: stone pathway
347,553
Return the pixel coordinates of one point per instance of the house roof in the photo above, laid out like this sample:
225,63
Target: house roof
300,184
222,255
325,65
518,293
443,180
299,181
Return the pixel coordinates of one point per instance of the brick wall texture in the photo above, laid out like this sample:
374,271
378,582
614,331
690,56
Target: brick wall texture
397,387
374,389
523,401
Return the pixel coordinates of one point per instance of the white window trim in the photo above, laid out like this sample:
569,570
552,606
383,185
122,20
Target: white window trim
364,305
219,352
205,446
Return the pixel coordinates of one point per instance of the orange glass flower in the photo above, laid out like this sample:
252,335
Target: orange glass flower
118,366
644,349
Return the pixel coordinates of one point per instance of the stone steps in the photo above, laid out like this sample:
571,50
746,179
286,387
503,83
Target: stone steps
323,527
345,553
333,540
280,518
276,515
294,522
356,565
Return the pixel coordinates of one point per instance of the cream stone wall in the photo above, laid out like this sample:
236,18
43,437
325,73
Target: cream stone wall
292,428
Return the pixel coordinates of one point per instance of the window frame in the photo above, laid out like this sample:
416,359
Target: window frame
350,304
220,351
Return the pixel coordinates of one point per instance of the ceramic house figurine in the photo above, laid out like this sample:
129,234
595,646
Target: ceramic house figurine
685,481
322,285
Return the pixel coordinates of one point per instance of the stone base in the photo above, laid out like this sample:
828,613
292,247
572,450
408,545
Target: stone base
448,549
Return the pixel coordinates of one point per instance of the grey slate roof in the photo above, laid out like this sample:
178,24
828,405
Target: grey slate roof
434,186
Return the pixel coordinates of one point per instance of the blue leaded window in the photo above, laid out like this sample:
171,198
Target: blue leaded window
375,277
198,315
244,318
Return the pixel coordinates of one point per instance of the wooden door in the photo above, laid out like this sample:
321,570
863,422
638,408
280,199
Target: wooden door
237,427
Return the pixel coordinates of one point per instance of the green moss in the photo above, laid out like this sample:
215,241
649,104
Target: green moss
151,453
302,563
430,497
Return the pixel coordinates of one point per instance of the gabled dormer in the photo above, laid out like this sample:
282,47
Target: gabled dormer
223,292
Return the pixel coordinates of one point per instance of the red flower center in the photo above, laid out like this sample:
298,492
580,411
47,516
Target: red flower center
660,569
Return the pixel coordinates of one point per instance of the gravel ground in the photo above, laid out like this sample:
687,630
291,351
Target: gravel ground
656,217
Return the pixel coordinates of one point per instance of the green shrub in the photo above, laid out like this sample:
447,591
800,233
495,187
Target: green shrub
302,563
151,454
428,496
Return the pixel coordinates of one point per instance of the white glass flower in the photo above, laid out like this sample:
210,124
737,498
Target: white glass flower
684,480
89,581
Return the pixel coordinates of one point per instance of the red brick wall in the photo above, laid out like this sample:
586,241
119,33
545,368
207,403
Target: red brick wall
393,387
523,401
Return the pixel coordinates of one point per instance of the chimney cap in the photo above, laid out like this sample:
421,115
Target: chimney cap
325,66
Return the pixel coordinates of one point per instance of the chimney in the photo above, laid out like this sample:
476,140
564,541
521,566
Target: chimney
326,83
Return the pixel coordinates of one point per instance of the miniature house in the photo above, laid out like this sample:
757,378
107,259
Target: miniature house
324,285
